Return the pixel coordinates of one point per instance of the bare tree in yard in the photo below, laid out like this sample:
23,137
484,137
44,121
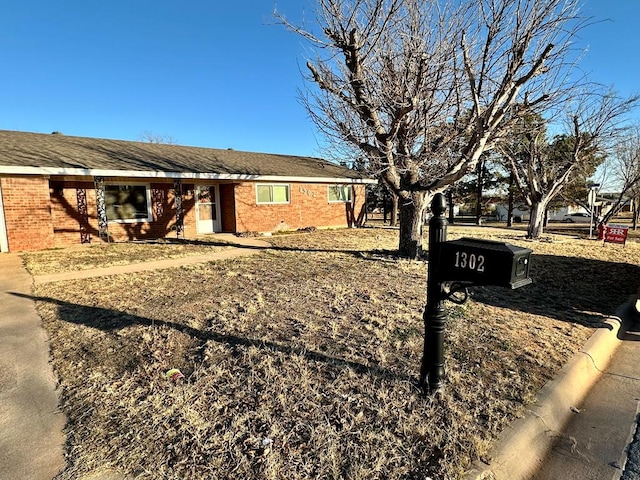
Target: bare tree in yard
542,167
422,88
623,163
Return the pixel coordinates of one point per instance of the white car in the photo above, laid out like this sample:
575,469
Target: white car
577,218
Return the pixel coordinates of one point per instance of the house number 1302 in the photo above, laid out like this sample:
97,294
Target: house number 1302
470,261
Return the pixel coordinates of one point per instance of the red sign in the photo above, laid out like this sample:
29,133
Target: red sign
615,234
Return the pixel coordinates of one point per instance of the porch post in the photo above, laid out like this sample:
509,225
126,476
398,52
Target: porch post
83,214
103,224
177,193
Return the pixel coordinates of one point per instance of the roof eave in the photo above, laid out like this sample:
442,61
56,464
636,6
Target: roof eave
18,170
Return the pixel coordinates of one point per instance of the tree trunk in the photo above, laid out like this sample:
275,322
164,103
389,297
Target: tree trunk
450,200
393,222
634,207
411,222
479,186
536,220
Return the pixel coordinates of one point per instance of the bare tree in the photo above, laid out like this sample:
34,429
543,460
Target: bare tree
542,167
623,163
423,87
150,137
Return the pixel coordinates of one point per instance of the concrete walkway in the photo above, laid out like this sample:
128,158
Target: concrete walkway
247,246
31,439
143,266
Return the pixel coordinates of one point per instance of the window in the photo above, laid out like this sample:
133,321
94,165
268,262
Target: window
272,193
340,193
127,203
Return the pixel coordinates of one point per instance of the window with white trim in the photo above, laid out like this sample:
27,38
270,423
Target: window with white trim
340,193
272,193
128,203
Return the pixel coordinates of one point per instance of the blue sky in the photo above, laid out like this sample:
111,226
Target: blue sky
207,73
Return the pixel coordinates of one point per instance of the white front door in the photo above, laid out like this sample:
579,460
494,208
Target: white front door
207,209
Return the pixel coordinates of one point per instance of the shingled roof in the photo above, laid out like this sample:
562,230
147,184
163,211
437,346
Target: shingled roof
56,154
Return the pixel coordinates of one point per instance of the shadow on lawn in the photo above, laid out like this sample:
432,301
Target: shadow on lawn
112,320
571,289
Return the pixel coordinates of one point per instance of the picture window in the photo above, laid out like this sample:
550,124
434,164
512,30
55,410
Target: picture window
127,203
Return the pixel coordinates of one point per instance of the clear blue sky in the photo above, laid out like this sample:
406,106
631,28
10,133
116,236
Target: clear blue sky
208,73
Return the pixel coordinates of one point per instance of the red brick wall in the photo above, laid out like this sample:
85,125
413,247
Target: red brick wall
42,214
66,218
27,213
308,207
64,211
227,207
189,208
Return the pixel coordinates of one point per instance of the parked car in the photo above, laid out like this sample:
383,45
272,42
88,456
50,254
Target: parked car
577,218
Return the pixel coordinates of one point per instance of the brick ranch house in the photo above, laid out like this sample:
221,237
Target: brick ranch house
58,190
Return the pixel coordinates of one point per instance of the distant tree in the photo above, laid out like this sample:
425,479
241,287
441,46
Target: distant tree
490,176
388,201
543,166
576,191
623,164
358,219
422,88
150,137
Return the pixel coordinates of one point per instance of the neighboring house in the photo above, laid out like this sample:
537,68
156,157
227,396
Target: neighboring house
606,201
58,190
521,213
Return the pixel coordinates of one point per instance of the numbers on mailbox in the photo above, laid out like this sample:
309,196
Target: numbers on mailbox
470,260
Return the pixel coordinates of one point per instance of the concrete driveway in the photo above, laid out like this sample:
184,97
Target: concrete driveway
31,438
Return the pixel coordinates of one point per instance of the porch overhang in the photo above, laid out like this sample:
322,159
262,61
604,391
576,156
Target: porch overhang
83,172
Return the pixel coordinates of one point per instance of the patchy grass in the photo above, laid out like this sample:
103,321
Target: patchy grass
88,257
301,361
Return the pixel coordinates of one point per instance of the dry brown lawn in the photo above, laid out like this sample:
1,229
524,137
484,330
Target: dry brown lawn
301,361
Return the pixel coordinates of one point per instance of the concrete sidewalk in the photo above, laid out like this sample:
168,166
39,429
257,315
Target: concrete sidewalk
583,419
246,246
593,444
31,439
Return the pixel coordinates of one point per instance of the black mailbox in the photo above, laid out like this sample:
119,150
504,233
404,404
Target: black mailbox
484,262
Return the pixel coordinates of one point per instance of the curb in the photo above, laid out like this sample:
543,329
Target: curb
521,448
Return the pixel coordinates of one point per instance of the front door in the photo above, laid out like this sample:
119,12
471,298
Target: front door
207,209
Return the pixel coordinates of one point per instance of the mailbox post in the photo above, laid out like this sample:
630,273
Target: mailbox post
460,263
435,315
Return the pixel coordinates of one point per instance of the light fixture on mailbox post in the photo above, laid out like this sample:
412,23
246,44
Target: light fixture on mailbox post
461,263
